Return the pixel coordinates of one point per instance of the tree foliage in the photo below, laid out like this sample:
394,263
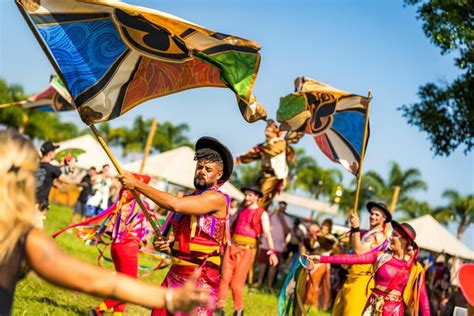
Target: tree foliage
446,110
459,208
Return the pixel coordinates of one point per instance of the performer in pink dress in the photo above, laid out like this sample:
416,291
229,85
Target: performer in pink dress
399,279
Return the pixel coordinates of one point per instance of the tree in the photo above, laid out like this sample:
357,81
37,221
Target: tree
169,136
375,187
446,111
412,208
316,180
460,208
245,175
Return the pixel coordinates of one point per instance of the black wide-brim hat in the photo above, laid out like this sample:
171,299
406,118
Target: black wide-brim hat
382,207
222,150
406,230
253,189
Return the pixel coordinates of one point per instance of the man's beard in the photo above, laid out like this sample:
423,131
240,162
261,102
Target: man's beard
201,184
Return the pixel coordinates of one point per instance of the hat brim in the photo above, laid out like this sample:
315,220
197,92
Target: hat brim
223,151
382,207
399,228
256,191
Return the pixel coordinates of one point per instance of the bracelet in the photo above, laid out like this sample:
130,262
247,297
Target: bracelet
271,252
169,300
355,230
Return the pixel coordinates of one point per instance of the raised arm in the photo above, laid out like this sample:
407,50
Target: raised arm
208,202
365,258
56,267
251,155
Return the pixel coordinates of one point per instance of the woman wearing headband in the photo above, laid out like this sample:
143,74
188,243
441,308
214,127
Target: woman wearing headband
399,279
22,244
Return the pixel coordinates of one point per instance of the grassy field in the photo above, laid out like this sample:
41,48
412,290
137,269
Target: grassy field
36,297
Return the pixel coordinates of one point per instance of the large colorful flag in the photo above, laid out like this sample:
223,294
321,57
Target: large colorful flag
113,56
55,98
335,119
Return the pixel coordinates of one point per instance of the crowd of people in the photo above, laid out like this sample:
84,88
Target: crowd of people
217,245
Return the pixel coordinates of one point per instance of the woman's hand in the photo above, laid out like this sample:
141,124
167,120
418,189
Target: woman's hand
161,244
315,258
188,297
354,220
273,260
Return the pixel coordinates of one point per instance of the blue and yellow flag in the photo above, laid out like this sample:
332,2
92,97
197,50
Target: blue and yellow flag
335,119
113,56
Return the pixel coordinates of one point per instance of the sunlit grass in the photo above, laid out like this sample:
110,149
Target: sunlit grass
36,297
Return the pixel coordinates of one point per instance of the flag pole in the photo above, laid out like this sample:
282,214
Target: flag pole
94,130
362,155
149,140
106,148
393,203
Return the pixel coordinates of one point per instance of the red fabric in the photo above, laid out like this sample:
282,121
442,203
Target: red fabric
125,258
249,222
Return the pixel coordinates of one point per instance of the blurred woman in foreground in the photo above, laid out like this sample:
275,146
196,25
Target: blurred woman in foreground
21,244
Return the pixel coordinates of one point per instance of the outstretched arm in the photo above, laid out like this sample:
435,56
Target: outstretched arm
365,258
208,202
249,156
56,267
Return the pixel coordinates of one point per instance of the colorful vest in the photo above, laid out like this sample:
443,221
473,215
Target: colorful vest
247,227
198,240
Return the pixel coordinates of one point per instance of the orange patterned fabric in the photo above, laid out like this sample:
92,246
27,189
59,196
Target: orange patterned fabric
156,78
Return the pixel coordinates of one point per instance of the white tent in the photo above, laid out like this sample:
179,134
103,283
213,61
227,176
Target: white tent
432,236
177,166
94,155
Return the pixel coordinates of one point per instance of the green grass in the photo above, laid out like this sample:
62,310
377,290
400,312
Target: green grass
36,297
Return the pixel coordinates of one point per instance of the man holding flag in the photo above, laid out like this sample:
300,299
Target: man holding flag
199,222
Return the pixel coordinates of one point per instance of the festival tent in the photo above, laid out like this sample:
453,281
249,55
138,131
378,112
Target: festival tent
94,155
177,166
432,236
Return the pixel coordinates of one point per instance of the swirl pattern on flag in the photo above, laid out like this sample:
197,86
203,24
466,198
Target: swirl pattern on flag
114,56
335,119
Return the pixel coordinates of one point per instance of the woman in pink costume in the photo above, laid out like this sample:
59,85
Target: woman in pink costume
399,279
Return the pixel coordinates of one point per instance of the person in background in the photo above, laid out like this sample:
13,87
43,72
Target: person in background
86,184
105,187
23,245
45,175
251,221
272,154
280,227
296,236
234,207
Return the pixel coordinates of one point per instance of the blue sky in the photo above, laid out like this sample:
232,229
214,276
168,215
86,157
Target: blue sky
353,45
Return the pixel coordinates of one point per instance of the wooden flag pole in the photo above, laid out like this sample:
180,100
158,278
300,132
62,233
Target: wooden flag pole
94,130
393,203
106,148
149,141
362,154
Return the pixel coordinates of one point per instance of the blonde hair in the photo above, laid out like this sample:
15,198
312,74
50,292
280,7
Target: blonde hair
18,212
